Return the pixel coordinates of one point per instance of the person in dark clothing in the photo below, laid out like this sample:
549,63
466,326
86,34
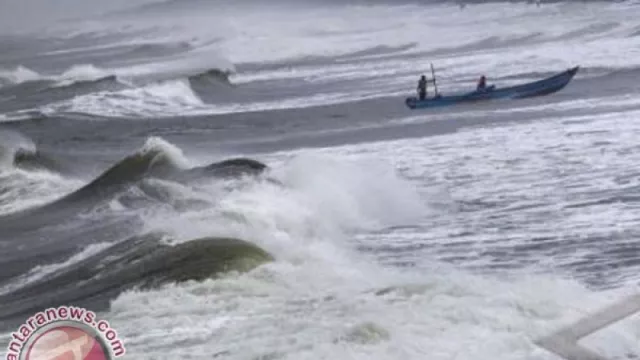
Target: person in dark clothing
482,83
422,87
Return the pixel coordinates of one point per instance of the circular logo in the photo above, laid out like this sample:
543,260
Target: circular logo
65,340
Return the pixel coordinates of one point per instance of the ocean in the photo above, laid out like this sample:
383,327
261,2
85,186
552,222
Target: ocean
243,180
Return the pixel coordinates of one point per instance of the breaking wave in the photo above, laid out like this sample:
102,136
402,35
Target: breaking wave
124,240
84,87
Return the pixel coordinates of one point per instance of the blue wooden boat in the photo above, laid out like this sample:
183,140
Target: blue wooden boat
537,88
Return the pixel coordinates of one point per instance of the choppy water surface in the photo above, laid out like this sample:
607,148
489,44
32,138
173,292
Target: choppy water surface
143,143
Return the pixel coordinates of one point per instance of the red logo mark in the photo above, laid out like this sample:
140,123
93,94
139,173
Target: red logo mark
66,343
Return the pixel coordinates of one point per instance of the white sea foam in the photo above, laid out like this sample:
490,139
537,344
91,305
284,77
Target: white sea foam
499,192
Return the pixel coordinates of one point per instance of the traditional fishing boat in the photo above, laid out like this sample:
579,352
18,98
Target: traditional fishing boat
537,88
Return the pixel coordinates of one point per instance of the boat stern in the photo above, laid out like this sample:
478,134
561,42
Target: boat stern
411,102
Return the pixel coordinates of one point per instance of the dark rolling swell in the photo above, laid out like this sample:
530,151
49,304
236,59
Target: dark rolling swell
138,262
126,173
36,160
116,179
39,236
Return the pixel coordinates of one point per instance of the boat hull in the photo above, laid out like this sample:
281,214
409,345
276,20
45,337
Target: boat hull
538,88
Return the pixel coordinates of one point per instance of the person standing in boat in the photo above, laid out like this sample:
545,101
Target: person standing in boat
482,83
422,87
